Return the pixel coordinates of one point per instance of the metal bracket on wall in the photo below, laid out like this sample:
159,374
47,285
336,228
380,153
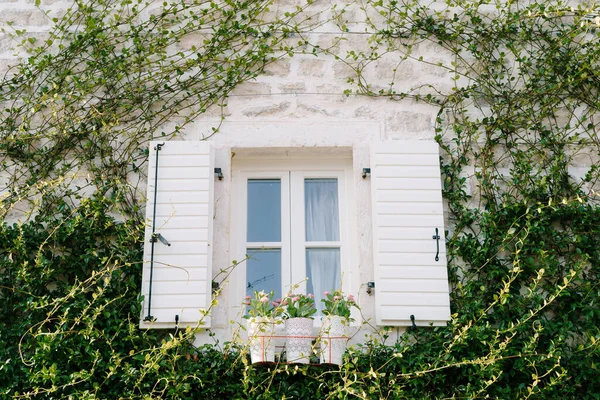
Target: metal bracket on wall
370,287
413,327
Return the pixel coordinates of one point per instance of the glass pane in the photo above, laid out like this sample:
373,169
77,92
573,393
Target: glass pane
321,210
263,271
324,273
264,210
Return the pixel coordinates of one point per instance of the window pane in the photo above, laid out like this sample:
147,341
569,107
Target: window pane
324,273
263,271
321,210
264,210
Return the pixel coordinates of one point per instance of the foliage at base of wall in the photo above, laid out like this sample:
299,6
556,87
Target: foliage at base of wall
69,327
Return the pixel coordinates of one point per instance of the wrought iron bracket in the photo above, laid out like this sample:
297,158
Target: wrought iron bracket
436,237
413,327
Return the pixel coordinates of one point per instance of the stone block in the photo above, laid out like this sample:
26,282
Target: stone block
366,112
266,109
312,67
293,87
330,89
313,108
24,17
277,68
8,67
253,88
192,40
407,121
341,70
394,70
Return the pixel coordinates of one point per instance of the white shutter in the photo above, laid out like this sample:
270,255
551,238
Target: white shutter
181,273
407,209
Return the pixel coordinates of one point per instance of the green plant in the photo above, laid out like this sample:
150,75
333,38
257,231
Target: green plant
262,305
299,306
337,304
516,120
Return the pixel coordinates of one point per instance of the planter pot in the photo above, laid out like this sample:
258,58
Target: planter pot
298,346
333,339
260,339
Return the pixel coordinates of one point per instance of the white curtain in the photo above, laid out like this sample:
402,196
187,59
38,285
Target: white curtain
322,219
323,266
322,225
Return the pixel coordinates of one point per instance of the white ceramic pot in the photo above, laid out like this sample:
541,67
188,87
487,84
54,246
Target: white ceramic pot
260,339
298,346
333,339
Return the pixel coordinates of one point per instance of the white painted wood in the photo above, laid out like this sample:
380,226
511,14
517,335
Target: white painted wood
176,273
406,196
181,273
407,207
407,259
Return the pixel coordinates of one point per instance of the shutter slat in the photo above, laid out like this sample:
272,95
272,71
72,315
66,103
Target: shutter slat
175,197
408,259
185,209
178,273
181,281
407,208
197,186
175,261
410,183
424,208
407,196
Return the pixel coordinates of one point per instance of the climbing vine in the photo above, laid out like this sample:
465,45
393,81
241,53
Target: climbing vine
520,162
518,127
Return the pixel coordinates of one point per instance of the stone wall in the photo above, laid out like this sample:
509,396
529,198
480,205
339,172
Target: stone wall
298,102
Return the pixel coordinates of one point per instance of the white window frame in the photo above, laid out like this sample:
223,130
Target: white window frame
292,171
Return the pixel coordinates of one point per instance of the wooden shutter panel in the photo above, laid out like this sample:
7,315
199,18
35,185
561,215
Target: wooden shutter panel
407,209
181,272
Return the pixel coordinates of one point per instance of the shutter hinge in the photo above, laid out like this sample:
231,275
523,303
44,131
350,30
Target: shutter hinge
157,236
219,173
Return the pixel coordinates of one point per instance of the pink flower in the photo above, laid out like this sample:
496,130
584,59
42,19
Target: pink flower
326,293
296,298
247,303
264,300
247,298
278,301
312,296
275,304
336,297
284,303
350,297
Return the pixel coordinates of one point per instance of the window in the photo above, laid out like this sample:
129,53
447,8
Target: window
298,216
291,217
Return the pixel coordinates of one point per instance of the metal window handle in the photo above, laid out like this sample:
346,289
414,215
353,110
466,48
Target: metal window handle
437,242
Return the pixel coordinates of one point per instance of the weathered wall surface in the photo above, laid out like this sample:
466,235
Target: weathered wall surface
298,102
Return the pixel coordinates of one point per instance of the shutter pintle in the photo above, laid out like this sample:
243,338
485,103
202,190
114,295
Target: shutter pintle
149,317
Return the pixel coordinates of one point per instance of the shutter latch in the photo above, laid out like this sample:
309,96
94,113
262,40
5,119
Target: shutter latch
436,237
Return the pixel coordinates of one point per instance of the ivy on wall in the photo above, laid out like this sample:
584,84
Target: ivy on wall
518,122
